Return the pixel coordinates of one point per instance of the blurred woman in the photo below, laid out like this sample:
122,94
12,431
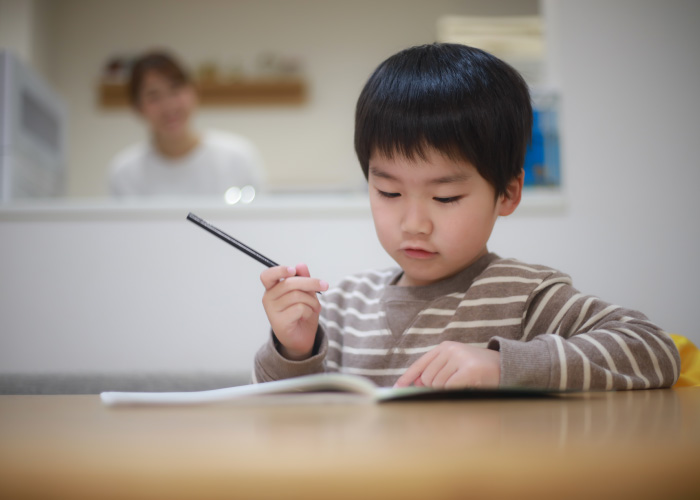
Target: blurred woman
177,160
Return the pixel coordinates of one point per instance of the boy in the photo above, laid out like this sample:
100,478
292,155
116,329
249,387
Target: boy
441,132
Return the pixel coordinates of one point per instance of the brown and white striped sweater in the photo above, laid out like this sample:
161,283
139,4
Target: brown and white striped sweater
549,335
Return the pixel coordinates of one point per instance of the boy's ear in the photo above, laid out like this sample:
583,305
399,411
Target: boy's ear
511,199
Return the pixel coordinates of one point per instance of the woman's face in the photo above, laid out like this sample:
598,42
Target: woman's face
166,106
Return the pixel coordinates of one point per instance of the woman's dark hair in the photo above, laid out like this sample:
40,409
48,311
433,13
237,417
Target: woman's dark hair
459,100
161,62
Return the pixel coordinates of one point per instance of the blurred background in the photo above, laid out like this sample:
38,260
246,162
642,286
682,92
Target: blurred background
329,47
89,285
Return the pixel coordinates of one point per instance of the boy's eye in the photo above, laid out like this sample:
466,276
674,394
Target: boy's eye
451,199
388,195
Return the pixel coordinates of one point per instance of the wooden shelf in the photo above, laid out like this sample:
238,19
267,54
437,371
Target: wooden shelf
244,92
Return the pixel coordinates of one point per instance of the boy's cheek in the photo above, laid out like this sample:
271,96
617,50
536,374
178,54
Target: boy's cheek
384,228
379,217
384,235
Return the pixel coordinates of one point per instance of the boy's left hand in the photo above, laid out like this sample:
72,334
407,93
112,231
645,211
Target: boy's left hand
453,365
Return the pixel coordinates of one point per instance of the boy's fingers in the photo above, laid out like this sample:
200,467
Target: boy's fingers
296,312
304,284
293,290
416,369
303,270
439,373
295,297
274,275
270,277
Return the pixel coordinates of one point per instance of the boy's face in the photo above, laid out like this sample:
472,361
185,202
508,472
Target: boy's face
434,216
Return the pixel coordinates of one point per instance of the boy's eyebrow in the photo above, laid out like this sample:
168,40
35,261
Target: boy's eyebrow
376,172
447,179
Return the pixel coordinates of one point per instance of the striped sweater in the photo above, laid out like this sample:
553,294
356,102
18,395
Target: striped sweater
548,334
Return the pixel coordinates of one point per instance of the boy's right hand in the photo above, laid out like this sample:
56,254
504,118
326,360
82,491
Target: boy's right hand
292,308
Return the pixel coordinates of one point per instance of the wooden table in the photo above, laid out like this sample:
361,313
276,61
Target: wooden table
637,444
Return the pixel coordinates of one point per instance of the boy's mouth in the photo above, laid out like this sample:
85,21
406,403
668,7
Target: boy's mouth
417,253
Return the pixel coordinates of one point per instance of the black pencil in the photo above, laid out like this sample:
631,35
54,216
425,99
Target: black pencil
231,240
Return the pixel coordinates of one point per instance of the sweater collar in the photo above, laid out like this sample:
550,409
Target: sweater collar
457,283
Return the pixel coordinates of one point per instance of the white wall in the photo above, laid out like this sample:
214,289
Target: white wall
117,290
132,293
341,42
16,27
629,73
25,30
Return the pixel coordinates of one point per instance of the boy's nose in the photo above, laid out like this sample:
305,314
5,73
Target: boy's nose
416,220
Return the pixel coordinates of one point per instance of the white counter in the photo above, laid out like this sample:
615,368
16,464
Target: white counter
90,286
321,204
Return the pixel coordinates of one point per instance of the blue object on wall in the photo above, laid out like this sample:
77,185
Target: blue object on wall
542,159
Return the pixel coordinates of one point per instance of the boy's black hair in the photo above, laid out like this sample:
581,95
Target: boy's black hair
459,100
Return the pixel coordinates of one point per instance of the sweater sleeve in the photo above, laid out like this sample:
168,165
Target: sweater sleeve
271,365
573,341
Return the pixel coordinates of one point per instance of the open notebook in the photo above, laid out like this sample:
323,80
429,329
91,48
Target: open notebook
331,382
